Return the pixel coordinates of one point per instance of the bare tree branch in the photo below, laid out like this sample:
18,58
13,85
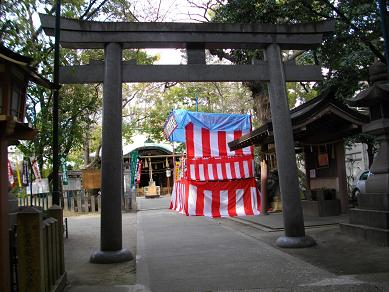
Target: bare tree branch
221,54
304,86
206,7
96,9
169,84
126,101
218,89
91,3
158,9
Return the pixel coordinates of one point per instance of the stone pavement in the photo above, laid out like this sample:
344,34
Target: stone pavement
274,221
179,253
84,238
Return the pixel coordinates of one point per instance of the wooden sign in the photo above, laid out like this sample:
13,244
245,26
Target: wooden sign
169,126
91,179
323,159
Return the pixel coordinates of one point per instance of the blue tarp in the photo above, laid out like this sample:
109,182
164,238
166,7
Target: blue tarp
174,127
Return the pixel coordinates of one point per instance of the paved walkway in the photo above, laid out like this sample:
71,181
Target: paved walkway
179,253
84,239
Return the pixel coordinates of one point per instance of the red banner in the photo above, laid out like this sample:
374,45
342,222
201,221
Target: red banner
35,168
11,179
138,175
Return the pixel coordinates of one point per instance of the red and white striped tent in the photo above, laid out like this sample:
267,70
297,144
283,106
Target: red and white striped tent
215,181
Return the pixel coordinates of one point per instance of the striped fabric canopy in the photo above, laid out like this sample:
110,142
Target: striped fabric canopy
216,181
217,199
220,168
174,128
201,142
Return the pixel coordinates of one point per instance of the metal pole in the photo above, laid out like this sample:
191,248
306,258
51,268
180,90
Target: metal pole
286,157
56,105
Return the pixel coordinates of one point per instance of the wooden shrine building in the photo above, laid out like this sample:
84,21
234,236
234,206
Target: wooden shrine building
319,127
157,163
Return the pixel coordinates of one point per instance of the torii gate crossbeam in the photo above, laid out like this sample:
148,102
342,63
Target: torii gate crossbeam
195,37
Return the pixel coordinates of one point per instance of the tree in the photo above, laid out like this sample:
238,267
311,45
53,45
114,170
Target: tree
346,54
78,103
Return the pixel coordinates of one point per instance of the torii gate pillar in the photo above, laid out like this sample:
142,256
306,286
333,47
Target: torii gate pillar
111,250
286,157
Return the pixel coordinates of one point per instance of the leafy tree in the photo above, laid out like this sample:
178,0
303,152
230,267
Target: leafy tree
346,53
20,31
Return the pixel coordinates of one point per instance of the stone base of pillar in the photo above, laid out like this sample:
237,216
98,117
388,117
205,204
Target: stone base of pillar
295,242
111,257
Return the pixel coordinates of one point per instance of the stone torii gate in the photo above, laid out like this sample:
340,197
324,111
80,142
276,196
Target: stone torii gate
113,37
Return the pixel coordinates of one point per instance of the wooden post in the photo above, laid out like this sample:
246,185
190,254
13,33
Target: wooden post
86,203
30,251
46,255
168,186
4,234
93,203
55,243
174,165
49,201
99,203
263,148
50,253
56,212
72,204
65,203
79,205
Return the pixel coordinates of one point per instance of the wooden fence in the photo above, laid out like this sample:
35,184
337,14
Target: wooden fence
78,202
43,201
72,201
40,250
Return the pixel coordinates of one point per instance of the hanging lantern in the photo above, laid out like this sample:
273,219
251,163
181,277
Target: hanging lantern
146,164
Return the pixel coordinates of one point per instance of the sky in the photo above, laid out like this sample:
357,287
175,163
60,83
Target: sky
170,11
160,11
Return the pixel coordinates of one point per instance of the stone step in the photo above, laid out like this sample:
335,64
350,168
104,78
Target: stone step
374,201
377,236
372,218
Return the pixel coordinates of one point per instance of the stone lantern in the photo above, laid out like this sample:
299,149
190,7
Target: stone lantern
15,73
370,220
